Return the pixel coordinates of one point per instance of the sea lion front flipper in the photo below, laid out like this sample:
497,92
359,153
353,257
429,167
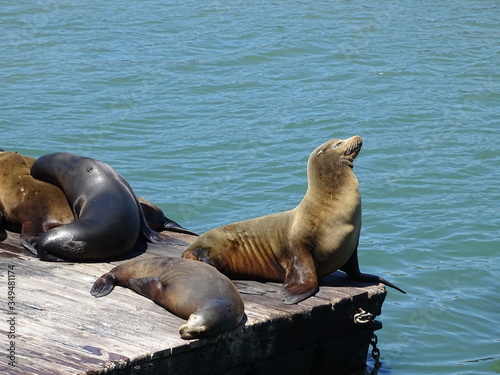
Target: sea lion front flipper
301,280
148,287
29,231
351,268
30,243
103,285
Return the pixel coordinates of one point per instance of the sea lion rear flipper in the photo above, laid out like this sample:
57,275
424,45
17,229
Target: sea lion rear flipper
103,285
171,225
157,219
150,234
351,268
301,280
148,287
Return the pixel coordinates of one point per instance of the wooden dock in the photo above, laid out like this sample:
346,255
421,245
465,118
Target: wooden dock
57,327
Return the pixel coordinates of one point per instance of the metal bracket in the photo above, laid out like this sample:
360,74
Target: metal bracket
367,319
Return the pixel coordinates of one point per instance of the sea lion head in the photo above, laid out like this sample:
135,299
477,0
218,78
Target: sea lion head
333,159
214,317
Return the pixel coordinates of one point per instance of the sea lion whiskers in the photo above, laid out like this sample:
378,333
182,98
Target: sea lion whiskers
354,147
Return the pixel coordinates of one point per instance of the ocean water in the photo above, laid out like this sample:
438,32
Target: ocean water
211,109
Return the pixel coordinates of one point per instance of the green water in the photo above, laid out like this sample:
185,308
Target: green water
211,109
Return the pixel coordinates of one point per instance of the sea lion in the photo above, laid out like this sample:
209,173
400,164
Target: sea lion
296,247
189,289
27,205
108,216
31,206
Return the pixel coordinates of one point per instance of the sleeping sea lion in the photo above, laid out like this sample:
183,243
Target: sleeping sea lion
314,239
30,206
189,289
108,217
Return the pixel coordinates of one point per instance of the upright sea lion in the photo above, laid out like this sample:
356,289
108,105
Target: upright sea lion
189,289
296,247
108,216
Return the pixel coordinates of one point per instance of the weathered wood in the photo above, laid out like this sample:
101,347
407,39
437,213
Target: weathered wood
61,329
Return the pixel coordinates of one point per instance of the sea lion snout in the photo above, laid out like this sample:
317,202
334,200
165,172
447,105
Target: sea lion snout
195,327
354,146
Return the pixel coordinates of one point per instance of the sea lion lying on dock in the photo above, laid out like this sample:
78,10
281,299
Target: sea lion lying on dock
314,239
108,215
33,207
189,289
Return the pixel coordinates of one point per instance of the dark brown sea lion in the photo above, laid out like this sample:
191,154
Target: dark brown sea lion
108,217
189,289
31,206
296,247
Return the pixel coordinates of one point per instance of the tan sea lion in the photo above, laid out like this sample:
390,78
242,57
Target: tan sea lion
189,289
314,239
27,205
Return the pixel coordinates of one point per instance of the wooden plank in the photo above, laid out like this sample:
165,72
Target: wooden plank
62,329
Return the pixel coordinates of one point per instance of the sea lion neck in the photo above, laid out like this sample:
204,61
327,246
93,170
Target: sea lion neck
344,187
332,181
349,162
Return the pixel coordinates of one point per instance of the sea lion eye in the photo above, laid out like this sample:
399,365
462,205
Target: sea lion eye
319,152
336,145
